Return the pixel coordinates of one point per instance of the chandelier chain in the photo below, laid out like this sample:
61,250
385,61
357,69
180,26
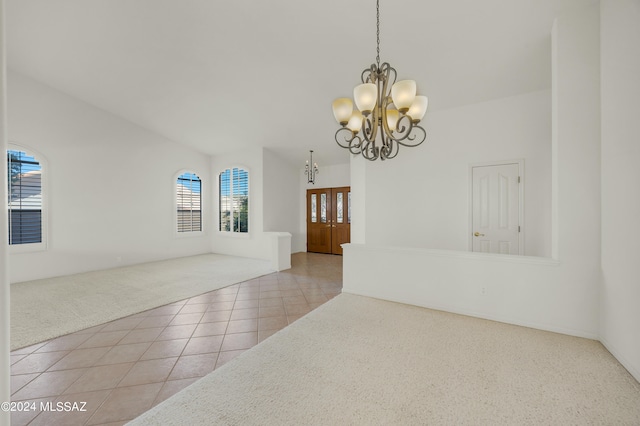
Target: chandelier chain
378,32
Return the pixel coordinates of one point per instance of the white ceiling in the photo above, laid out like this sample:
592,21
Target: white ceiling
223,76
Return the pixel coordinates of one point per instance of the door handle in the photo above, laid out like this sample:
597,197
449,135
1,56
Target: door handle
477,234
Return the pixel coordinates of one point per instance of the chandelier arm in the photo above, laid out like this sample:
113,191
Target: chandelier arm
414,136
383,91
392,150
385,99
356,148
386,131
388,147
404,127
383,150
348,137
369,74
369,127
386,69
370,151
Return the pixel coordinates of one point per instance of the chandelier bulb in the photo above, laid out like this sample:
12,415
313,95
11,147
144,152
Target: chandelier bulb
403,94
366,97
355,122
392,119
418,108
342,110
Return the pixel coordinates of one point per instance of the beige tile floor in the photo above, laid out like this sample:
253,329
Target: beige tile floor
123,368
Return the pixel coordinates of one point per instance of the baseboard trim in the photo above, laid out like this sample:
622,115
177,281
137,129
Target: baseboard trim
621,359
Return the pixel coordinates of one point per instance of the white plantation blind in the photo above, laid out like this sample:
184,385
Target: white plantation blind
233,187
25,198
189,201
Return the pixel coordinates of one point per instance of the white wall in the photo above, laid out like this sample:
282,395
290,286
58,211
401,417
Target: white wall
576,137
329,177
620,68
111,193
280,196
358,171
530,291
559,294
421,198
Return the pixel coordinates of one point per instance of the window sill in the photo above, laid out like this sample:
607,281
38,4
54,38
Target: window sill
193,234
27,248
229,234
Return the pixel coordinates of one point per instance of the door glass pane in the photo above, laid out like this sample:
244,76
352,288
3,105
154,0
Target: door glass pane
314,208
340,218
349,207
323,208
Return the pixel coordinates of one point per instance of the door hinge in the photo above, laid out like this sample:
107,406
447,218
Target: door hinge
518,228
518,179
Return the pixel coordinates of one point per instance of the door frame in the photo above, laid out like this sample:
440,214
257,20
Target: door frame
520,163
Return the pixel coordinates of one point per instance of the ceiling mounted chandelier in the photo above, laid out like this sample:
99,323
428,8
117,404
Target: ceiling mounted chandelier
311,169
386,117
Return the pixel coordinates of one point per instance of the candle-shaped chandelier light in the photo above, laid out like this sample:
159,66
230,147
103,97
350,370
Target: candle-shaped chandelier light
311,169
384,119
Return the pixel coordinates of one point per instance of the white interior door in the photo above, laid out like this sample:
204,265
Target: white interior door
496,209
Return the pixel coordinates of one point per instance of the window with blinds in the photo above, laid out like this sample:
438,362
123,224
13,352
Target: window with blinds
25,198
233,187
189,201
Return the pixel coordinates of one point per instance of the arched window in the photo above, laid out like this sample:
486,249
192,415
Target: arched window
25,198
188,202
233,185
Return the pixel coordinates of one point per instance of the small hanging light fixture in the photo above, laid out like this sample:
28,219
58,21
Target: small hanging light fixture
384,115
311,169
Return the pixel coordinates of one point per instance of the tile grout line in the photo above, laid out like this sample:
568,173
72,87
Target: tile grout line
215,365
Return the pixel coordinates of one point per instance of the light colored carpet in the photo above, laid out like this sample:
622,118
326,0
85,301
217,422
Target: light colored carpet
362,361
48,308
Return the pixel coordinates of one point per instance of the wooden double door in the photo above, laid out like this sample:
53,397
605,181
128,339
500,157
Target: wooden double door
328,219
